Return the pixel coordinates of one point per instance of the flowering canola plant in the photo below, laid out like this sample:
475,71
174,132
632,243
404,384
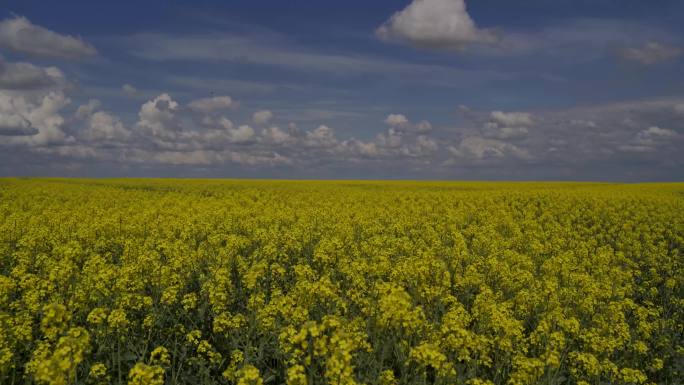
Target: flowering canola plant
340,282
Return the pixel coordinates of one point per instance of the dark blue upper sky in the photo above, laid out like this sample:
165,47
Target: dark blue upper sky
448,89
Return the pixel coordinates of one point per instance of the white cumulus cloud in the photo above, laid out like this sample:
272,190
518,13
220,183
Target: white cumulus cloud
103,126
396,120
276,135
33,120
441,24
158,116
242,134
322,136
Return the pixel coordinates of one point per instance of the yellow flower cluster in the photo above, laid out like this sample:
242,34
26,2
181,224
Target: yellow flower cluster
149,282
142,374
160,356
57,365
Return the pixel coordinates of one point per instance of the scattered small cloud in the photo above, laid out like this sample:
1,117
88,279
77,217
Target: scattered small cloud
475,147
129,90
679,109
322,136
651,53
262,117
276,135
211,104
507,125
649,139
512,118
424,126
400,123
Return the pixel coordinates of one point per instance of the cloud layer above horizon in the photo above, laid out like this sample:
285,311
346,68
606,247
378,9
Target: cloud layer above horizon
430,92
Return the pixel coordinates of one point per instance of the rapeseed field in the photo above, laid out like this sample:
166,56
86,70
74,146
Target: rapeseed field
340,282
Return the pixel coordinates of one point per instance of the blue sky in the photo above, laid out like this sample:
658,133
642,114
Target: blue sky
422,89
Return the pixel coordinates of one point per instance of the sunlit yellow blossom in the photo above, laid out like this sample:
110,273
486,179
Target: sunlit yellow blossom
427,355
236,359
97,316
98,374
193,337
296,375
189,301
249,375
225,322
118,320
160,356
387,378
59,366
55,320
142,374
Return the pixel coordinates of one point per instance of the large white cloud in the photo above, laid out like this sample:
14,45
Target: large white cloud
33,119
443,24
158,117
20,35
